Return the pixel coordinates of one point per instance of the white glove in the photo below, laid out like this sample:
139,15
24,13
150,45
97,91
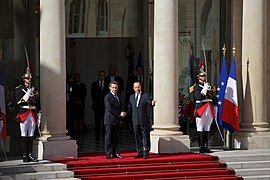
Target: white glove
1,126
205,88
28,94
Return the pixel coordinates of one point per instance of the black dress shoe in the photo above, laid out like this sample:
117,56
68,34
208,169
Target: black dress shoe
201,150
139,155
31,158
146,156
207,150
118,156
25,158
108,156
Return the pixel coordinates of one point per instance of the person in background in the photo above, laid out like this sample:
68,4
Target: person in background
98,91
79,95
113,77
70,105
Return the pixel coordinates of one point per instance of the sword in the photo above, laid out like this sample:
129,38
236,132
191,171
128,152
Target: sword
28,65
218,125
205,61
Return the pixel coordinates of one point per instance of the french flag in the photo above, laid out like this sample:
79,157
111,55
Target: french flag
229,113
2,99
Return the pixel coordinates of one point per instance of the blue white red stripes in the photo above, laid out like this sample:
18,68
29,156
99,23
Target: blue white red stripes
229,112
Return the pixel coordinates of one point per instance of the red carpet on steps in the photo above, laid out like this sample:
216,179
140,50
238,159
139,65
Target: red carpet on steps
159,166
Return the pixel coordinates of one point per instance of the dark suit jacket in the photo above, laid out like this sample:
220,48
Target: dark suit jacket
98,96
32,101
112,110
119,80
140,115
199,97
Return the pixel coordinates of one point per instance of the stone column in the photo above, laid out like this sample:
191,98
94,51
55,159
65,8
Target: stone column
132,17
254,125
53,81
166,138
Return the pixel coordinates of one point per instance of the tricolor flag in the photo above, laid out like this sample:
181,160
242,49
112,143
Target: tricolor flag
2,99
222,84
229,113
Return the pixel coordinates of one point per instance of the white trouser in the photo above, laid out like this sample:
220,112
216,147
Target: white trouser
28,126
204,123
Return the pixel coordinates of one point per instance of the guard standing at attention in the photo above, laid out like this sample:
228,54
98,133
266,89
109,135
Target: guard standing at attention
27,98
204,111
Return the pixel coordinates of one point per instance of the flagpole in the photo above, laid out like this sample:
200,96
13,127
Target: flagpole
222,138
230,133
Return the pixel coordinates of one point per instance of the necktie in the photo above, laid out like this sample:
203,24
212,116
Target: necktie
136,99
101,85
116,98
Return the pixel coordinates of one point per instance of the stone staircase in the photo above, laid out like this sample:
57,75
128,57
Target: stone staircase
250,164
18,170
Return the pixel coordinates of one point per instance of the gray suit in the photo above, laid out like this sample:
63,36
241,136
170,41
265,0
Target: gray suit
141,121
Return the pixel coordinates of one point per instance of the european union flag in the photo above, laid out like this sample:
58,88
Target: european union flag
222,83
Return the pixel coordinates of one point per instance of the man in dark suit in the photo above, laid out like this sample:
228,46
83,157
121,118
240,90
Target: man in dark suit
138,107
139,77
113,77
112,121
99,89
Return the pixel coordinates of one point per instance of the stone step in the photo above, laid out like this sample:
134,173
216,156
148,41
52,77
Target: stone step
64,179
16,169
264,177
234,153
248,164
6,178
32,167
253,172
44,175
245,157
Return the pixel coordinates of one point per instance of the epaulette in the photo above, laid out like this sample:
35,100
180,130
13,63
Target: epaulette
18,87
191,89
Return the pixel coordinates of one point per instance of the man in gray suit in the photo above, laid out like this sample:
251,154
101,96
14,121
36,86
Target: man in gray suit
138,107
111,121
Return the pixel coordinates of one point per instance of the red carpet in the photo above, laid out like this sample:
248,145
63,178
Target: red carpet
158,166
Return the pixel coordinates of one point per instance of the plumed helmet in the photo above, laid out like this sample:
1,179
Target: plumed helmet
27,74
201,74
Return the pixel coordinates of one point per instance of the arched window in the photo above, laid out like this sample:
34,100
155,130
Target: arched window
102,28
77,17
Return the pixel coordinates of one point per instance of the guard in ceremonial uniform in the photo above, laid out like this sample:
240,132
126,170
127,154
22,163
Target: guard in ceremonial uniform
204,111
27,98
